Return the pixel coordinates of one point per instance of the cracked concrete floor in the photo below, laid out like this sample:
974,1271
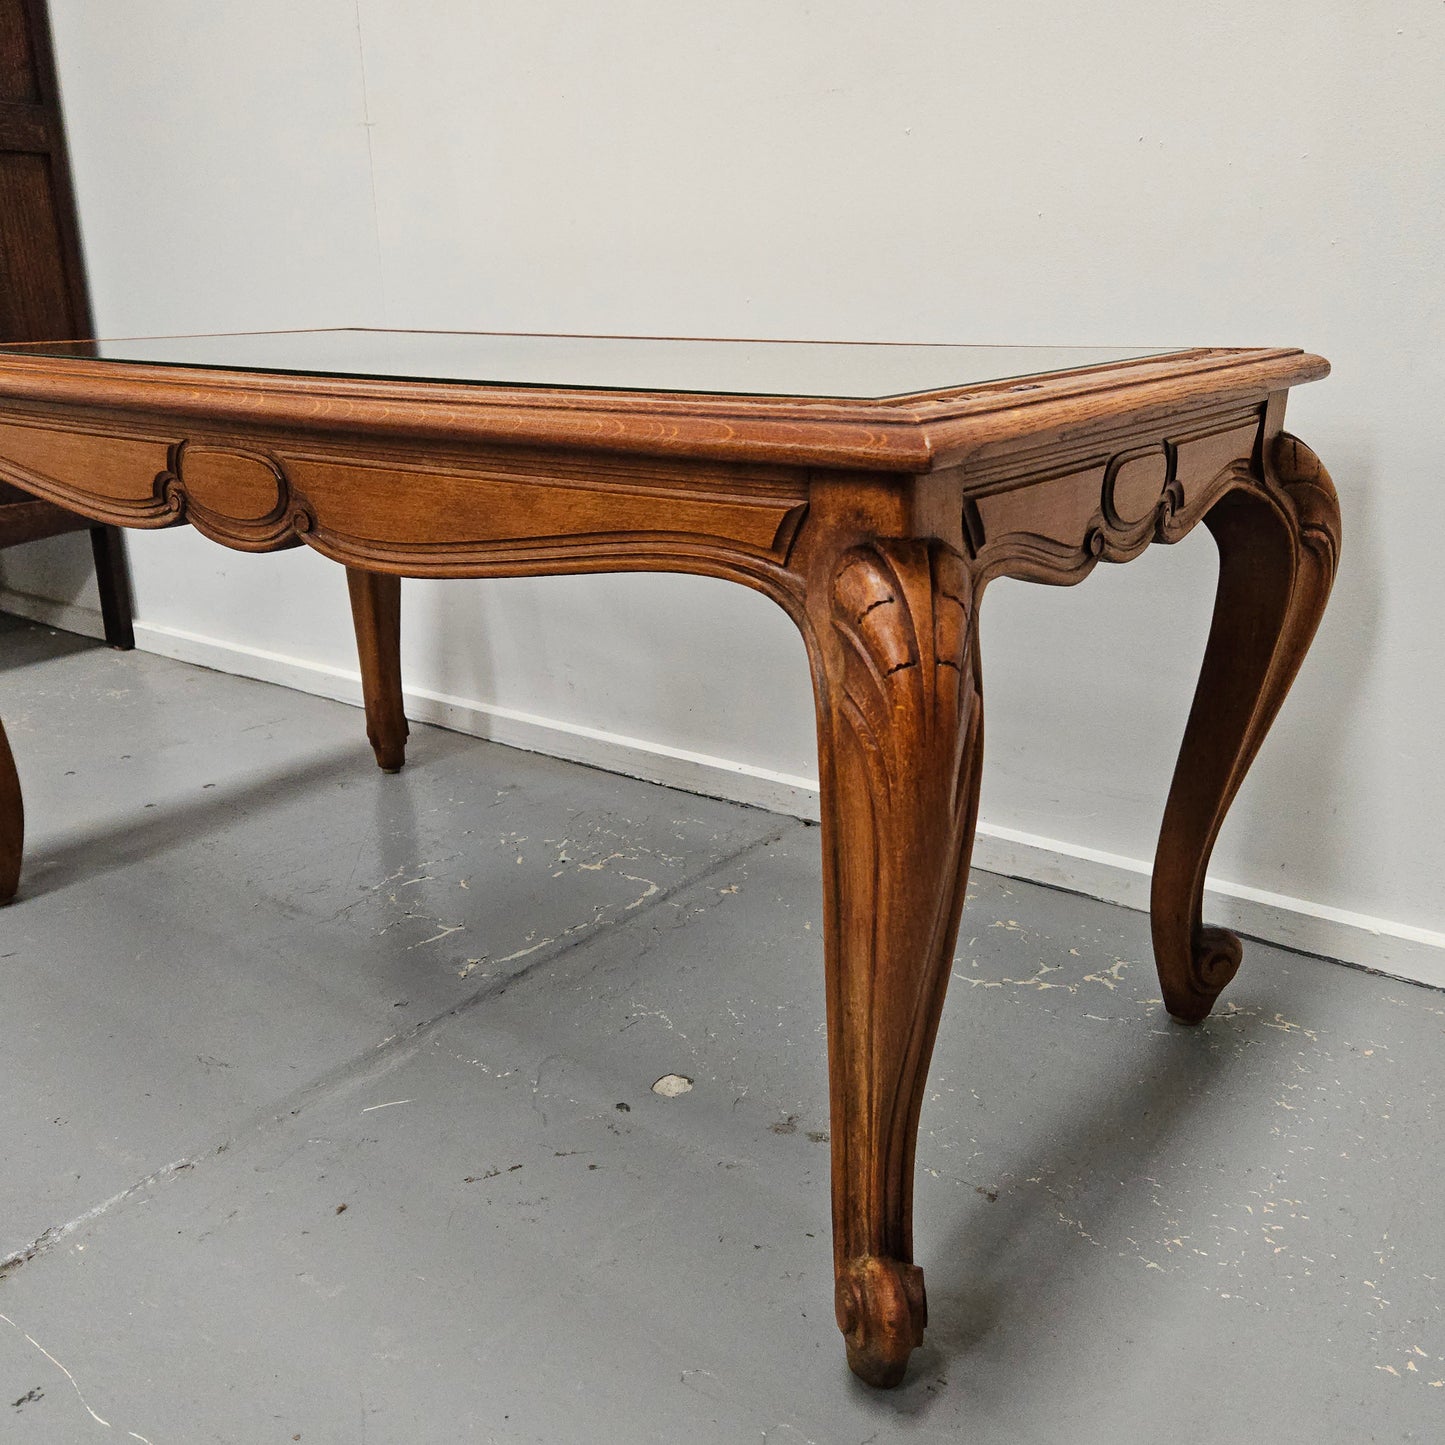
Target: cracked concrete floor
329,1118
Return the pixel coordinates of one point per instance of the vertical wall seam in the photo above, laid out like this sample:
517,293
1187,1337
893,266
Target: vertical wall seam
368,125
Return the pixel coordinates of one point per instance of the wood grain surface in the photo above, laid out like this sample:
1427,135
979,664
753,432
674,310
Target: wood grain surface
42,277
876,525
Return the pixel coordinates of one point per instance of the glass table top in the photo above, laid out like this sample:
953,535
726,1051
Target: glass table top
829,369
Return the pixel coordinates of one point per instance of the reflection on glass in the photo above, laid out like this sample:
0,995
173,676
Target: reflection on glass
759,368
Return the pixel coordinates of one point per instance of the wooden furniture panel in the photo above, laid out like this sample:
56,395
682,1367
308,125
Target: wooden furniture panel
19,80
42,278
34,303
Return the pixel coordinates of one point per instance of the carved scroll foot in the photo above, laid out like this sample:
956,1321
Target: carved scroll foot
1279,543
376,613
12,822
900,742
881,1310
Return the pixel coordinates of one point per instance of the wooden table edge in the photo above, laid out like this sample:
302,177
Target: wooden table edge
913,433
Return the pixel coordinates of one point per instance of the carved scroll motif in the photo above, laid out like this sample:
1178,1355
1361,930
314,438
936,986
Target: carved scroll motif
500,514
116,479
904,611
240,498
1055,528
1302,477
236,496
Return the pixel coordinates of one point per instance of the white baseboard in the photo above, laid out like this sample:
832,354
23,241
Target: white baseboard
1379,944
66,616
1383,945
656,762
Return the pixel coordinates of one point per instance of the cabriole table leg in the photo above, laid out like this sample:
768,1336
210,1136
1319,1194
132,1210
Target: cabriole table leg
12,822
900,743
1279,543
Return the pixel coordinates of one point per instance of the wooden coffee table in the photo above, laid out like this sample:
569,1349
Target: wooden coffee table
871,491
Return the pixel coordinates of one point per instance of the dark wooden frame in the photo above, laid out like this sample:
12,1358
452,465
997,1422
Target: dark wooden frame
876,525
42,273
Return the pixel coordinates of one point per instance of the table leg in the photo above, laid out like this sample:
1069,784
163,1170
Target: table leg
376,614
900,743
112,581
12,822
1278,546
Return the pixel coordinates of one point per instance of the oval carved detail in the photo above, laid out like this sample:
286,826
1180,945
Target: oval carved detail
1135,484
237,485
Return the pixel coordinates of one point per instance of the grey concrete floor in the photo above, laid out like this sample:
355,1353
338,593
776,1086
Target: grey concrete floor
329,1118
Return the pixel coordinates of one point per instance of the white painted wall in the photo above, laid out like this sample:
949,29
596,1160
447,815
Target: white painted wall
1135,173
